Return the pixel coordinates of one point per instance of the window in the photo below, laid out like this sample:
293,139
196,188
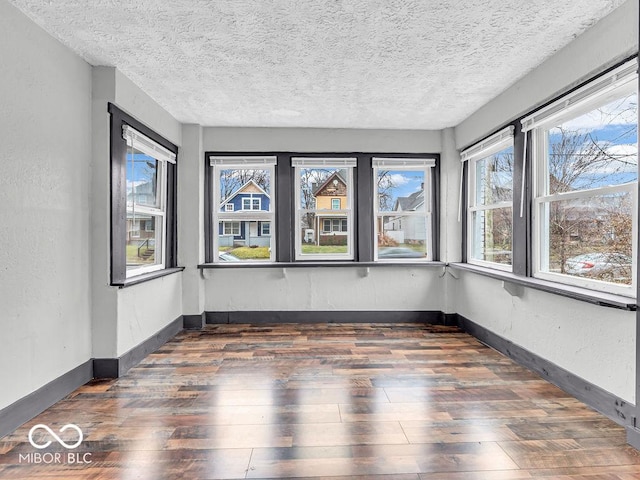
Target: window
143,199
243,208
585,183
490,200
322,231
402,208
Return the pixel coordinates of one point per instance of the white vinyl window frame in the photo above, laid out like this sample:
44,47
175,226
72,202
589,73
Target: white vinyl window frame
348,164
425,165
265,229
493,144
219,163
138,141
615,84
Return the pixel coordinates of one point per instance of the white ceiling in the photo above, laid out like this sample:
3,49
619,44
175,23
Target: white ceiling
412,64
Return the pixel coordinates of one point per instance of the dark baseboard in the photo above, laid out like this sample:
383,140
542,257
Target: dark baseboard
194,322
261,317
604,402
36,402
116,367
633,437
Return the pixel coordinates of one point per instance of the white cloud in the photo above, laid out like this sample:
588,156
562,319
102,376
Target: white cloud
399,179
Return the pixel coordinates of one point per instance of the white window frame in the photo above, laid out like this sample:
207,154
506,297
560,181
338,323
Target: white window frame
614,84
229,207
425,165
262,225
493,144
349,164
333,202
149,147
232,227
250,162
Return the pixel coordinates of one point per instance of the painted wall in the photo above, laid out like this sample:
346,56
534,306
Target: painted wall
123,318
320,140
595,343
325,288
45,100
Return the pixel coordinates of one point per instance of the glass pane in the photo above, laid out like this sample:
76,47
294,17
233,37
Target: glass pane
590,237
596,149
323,188
142,179
494,178
402,236
246,240
492,230
243,189
400,190
322,235
144,237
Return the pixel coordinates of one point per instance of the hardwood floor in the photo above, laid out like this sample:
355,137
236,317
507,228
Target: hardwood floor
349,401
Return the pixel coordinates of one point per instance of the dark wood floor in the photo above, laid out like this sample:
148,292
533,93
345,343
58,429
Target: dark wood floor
388,402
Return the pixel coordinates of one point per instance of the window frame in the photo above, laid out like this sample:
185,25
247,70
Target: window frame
119,122
216,163
480,151
334,163
427,164
284,226
539,142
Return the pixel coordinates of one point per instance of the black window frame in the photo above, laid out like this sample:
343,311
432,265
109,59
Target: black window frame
118,190
363,235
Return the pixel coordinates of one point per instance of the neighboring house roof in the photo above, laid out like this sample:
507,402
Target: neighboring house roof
321,189
249,187
410,203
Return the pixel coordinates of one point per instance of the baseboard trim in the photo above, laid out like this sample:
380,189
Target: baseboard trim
330,316
633,437
24,409
194,322
597,398
117,367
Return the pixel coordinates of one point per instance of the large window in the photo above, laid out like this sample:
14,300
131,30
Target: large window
402,208
585,184
243,208
324,212
490,200
143,200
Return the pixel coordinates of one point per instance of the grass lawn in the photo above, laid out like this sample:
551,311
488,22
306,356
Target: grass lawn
246,253
133,258
324,248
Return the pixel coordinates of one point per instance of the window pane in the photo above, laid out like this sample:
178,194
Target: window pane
331,240
596,149
244,241
590,237
402,236
320,188
142,179
494,178
492,230
400,190
144,238
244,189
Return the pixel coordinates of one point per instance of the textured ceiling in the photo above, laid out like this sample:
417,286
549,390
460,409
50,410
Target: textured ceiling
415,64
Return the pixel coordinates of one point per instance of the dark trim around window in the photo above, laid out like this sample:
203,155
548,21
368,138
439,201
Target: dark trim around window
363,234
118,149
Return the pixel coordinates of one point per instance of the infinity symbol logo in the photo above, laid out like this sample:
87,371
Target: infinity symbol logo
53,434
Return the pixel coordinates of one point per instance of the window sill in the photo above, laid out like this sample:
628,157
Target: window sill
145,277
577,293
320,264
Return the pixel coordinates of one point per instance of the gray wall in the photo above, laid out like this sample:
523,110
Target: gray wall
45,153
